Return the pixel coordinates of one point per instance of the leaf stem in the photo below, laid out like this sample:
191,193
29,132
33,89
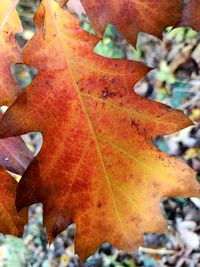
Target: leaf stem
12,7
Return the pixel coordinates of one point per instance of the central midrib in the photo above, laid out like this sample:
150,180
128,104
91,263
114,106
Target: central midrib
90,126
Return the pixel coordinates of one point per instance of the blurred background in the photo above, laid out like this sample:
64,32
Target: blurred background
174,81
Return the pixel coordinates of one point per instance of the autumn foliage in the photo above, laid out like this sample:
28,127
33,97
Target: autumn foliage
97,166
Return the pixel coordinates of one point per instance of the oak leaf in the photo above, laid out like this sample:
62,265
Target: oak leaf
10,52
133,16
14,155
97,166
10,222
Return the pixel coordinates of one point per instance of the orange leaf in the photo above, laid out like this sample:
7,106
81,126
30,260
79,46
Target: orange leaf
10,52
191,15
10,222
97,166
133,16
14,155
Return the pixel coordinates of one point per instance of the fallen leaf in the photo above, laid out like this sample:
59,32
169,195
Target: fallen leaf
10,222
10,52
97,166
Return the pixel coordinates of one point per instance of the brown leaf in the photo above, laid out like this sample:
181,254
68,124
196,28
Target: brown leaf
14,155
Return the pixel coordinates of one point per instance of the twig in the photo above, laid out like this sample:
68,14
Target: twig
190,102
162,251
